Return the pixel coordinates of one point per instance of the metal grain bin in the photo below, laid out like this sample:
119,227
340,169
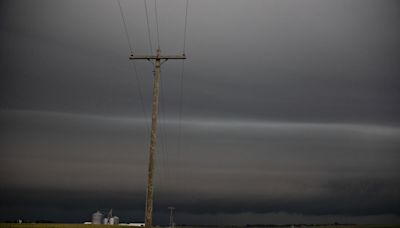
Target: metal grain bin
114,220
97,218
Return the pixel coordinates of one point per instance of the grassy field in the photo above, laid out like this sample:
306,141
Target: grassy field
41,225
28,225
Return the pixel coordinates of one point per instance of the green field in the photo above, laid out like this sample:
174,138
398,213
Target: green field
29,225
41,225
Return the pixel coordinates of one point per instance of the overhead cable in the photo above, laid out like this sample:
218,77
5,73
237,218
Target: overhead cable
156,13
148,26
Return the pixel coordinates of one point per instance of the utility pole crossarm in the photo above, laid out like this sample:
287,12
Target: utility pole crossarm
148,57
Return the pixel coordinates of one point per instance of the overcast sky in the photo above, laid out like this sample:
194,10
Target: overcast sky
290,111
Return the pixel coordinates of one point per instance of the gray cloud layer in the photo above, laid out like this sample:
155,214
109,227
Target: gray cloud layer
226,166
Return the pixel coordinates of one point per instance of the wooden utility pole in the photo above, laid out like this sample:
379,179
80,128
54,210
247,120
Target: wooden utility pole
148,219
171,217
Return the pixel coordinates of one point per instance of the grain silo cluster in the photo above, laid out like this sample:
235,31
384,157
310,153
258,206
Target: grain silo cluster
98,218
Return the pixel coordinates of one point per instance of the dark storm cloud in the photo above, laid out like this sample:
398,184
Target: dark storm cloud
338,169
290,111
308,60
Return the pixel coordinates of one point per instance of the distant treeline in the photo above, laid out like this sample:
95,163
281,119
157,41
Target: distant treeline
268,225
27,221
297,225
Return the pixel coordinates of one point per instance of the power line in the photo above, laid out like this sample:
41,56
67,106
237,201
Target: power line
181,85
148,27
158,34
163,128
185,30
180,107
125,27
161,174
139,87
